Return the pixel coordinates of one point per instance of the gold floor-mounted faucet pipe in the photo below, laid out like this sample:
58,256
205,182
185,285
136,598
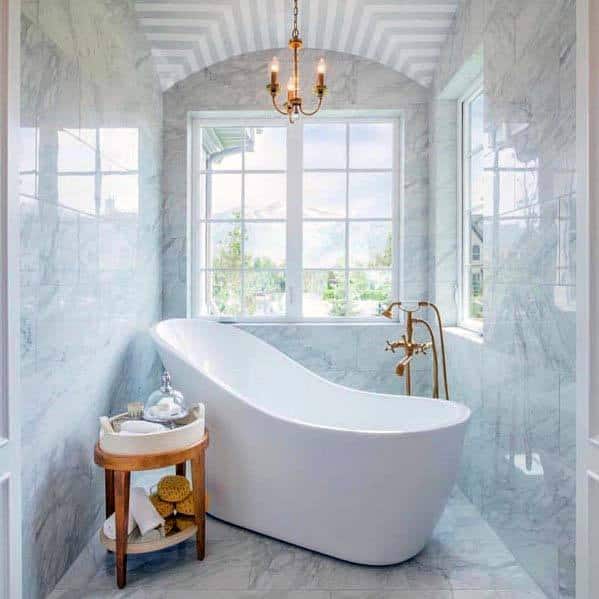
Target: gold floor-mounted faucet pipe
412,348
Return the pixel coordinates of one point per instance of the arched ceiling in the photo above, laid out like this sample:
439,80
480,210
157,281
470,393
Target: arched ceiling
189,35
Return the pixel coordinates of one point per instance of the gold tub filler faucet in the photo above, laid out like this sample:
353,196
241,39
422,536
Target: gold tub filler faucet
413,348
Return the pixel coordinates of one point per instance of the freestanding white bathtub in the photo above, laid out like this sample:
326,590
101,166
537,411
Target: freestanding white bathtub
360,476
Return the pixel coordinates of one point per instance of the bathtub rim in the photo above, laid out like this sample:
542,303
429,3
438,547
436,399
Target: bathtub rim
459,407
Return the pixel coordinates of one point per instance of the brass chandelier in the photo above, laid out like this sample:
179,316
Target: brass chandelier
293,108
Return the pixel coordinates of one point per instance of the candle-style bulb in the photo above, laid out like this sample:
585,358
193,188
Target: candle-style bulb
321,69
274,74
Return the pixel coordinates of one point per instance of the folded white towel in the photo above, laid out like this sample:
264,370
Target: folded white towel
141,513
110,526
144,513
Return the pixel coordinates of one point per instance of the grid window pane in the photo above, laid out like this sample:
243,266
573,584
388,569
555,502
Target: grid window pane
28,185
264,293
324,293
77,192
369,290
265,196
477,130
370,245
223,293
265,245
223,195
119,149
325,146
475,276
266,148
477,182
222,148
224,241
371,145
76,150
324,245
324,195
370,195
475,238
120,194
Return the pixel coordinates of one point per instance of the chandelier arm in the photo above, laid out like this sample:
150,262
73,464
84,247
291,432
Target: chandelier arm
313,112
279,110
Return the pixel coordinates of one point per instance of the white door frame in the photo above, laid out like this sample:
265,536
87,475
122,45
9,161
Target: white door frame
587,304
10,442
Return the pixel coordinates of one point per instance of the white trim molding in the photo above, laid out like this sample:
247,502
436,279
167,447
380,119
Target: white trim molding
587,300
294,170
10,441
463,189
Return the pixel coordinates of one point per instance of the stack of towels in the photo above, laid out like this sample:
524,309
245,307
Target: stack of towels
142,514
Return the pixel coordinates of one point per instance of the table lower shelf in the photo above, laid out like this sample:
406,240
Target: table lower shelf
136,546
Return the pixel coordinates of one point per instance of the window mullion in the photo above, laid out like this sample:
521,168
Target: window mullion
243,230
295,164
398,274
197,236
347,277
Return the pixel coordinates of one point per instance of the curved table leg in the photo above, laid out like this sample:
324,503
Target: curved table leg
121,495
198,476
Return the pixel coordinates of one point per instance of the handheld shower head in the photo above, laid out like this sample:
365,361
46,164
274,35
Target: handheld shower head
388,312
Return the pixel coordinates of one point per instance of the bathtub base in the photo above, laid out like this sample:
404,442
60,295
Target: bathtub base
390,561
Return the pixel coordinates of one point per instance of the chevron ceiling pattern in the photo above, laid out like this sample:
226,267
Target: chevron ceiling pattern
189,35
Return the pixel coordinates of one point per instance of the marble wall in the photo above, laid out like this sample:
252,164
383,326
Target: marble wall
90,258
519,458
348,354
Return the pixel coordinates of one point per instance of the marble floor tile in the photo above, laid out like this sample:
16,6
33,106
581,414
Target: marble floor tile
464,560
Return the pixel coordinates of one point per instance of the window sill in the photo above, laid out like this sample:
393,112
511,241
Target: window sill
312,323
467,334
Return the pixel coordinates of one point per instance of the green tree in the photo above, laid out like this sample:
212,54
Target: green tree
226,292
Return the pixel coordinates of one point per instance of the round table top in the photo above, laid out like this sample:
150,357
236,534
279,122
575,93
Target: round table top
149,461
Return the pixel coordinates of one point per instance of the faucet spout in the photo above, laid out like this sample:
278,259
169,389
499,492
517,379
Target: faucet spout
404,363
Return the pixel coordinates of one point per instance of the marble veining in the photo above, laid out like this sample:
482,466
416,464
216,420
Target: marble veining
464,560
90,258
519,455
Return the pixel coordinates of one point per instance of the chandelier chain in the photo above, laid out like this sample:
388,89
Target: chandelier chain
295,32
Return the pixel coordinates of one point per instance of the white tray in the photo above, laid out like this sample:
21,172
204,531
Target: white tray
169,440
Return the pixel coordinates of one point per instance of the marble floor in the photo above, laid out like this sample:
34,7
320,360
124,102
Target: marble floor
464,560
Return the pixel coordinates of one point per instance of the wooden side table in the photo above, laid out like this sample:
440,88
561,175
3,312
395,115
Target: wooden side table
117,472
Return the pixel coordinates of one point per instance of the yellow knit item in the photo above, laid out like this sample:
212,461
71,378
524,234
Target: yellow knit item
173,488
164,508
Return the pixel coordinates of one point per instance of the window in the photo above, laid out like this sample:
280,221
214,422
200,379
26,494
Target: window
293,222
473,152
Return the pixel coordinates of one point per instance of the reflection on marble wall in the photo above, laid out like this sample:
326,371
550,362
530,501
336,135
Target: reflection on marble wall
519,458
90,258
354,83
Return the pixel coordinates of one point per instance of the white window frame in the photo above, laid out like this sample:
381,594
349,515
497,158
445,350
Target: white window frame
463,188
294,218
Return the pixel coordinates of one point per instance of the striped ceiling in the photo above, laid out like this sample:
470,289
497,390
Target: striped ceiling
189,35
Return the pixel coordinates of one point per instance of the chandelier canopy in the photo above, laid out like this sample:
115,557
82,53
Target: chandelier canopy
293,108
